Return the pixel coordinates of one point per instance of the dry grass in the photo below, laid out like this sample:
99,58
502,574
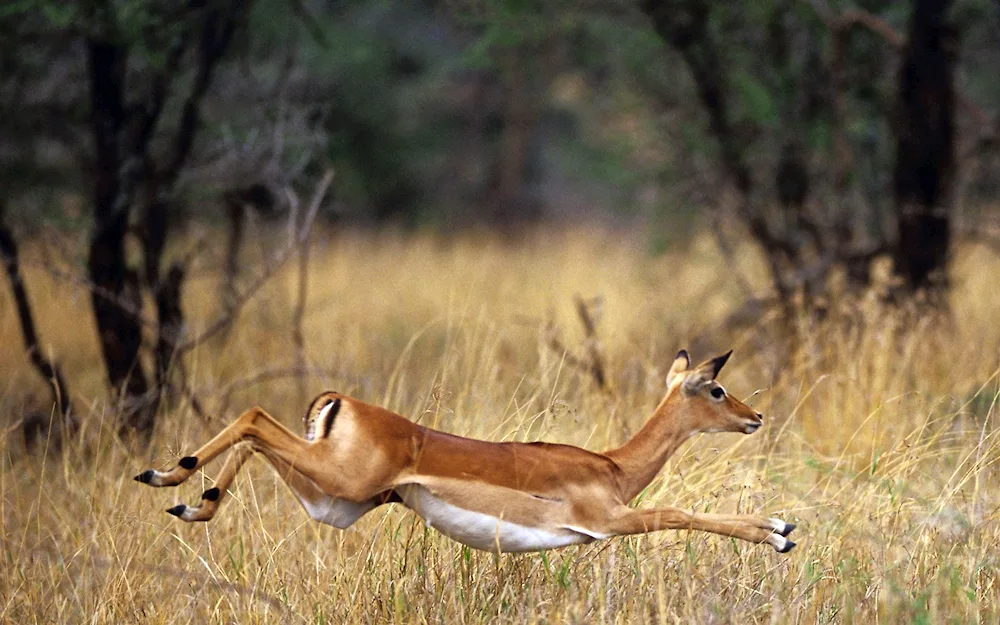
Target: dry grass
880,441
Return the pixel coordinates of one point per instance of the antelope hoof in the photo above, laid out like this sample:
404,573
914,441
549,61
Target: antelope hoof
780,543
780,527
160,478
191,514
789,545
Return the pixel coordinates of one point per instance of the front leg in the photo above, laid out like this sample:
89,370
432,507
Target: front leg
744,527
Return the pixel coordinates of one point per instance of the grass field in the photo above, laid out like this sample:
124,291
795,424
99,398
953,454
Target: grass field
880,441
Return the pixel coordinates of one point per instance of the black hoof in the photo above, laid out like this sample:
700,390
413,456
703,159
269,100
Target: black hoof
188,462
788,529
177,510
212,494
789,545
145,477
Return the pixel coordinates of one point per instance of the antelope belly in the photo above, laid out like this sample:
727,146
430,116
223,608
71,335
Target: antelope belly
483,531
339,513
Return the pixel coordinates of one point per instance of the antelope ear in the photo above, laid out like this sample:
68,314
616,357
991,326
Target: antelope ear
681,364
712,367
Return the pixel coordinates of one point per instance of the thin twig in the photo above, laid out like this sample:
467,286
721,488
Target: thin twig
726,248
299,312
279,260
593,362
586,313
263,375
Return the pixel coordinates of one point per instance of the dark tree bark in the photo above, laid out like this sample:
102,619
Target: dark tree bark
684,25
925,147
170,319
115,293
238,203
126,180
48,370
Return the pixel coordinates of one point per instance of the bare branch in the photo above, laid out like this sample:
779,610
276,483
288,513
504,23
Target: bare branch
299,312
587,311
726,248
593,363
551,334
258,377
216,34
851,18
279,260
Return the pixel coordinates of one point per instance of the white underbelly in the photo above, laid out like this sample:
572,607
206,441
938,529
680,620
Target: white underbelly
483,531
336,512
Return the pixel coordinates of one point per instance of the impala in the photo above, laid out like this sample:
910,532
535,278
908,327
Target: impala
500,497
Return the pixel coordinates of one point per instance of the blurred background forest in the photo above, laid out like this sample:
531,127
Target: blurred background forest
139,136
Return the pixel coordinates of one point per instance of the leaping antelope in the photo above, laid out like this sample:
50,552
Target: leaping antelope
499,497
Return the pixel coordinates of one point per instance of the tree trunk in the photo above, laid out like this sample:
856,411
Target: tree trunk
67,424
115,295
925,148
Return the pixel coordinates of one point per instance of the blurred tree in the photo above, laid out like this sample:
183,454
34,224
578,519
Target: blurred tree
146,61
66,423
925,147
770,109
126,114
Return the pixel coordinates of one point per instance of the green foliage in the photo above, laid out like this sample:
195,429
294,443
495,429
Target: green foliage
756,102
381,81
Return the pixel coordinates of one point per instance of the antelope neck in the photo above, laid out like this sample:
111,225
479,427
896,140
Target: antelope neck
642,456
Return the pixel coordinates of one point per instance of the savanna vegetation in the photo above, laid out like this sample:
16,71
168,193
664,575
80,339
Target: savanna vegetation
501,219
880,440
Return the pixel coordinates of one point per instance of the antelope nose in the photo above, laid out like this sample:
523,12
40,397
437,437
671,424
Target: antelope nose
760,416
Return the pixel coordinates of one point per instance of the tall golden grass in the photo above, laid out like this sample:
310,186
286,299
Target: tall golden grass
880,441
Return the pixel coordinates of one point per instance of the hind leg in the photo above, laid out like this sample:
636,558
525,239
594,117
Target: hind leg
320,505
304,489
212,498
265,435
232,434
308,467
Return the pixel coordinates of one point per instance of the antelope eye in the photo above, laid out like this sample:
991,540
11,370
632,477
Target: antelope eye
718,392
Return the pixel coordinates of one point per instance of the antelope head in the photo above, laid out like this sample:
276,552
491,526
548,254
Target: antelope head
704,401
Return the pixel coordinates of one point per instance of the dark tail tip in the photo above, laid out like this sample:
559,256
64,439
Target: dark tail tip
188,462
212,494
789,545
177,510
145,477
788,529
